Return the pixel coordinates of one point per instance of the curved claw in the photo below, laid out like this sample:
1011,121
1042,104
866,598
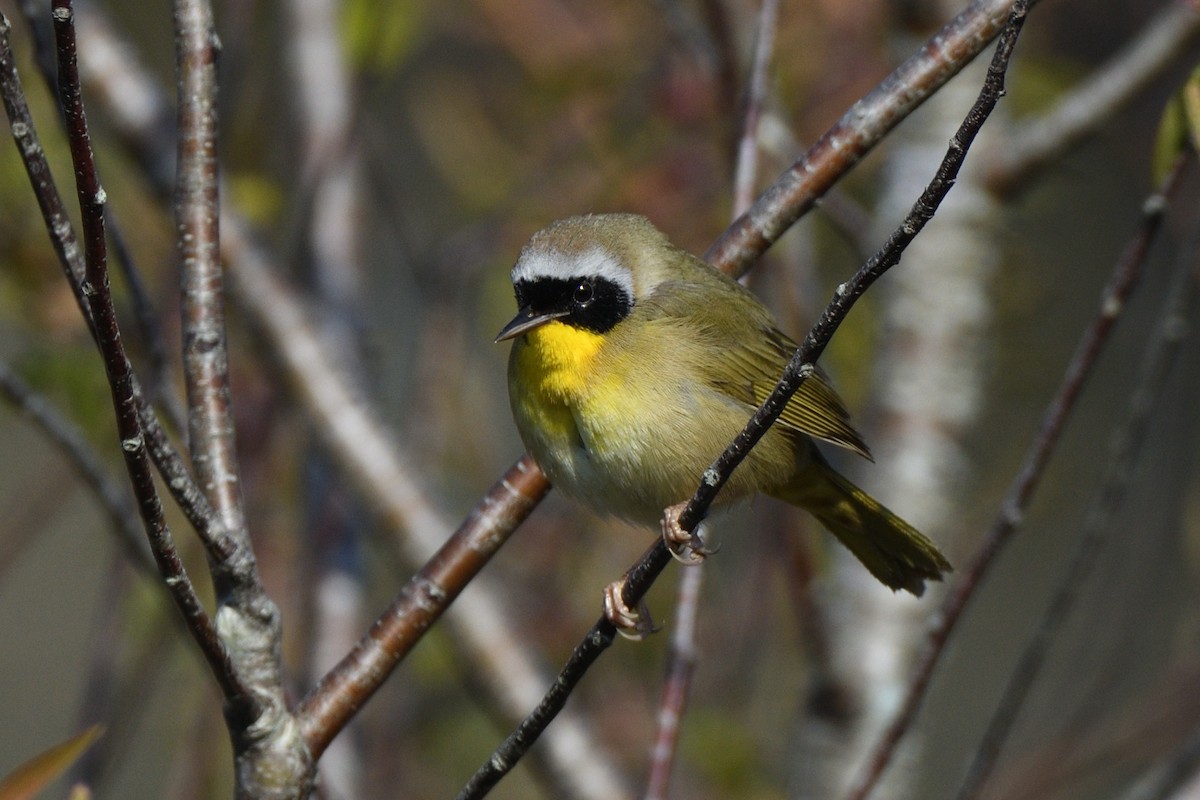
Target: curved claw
633,624
697,546
687,555
686,548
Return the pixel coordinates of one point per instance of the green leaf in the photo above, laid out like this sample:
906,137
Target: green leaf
1190,101
1179,128
379,36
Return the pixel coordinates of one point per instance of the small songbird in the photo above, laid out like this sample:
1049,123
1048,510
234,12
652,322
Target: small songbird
634,364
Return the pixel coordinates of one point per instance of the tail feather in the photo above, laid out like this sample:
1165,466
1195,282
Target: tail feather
896,553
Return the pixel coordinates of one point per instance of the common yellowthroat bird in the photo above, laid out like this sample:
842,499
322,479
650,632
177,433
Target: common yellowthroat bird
634,364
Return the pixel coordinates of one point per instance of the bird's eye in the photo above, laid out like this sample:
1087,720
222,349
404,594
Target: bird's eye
583,293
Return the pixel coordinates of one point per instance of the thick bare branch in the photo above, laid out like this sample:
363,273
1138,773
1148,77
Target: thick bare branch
271,758
197,214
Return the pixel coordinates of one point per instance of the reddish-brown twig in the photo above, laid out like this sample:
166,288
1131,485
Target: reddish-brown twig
345,688
859,130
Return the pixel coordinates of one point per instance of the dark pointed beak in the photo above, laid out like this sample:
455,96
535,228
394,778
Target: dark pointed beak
526,320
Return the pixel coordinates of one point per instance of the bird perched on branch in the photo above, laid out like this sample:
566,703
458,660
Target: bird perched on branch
634,364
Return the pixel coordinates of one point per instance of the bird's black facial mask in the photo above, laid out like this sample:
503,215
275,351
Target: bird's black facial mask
590,303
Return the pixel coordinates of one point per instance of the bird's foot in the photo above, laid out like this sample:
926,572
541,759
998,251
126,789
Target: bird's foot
686,548
633,624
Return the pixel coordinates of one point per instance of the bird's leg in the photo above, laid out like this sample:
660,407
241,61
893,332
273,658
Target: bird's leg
686,548
633,624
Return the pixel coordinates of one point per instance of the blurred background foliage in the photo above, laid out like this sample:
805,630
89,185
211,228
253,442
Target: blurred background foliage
477,123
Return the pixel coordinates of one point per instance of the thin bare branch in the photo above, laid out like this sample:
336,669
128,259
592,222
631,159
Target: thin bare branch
353,432
1124,449
66,246
146,318
67,437
140,116
674,697
1121,284
96,289
802,362
745,172
640,577
33,157
1036,144
271,758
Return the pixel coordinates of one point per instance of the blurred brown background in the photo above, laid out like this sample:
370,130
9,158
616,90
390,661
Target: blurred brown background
468,126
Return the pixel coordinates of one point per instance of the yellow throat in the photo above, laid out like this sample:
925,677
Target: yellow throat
557,360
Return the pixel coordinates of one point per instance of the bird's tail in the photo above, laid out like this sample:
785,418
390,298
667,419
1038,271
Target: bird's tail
896,553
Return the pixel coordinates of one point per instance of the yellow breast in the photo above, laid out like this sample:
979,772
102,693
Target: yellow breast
581,419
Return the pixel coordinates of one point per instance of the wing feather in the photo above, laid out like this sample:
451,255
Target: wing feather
753,354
